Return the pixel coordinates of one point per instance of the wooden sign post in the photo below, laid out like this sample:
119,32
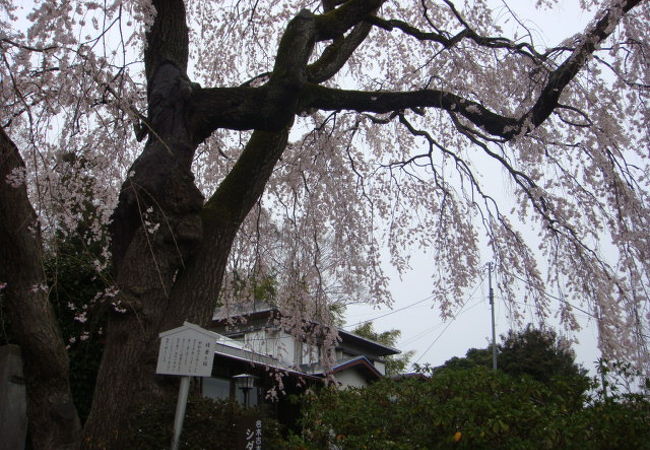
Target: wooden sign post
186,351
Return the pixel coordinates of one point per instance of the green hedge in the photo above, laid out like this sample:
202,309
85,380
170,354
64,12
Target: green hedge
470,409
208,424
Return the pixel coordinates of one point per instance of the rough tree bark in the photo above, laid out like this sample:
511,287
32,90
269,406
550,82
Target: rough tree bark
53,420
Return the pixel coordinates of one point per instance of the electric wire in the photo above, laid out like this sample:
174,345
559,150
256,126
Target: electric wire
460,312
429,297
475,304
563,300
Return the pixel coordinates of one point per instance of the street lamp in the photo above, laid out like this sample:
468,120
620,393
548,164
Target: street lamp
245,382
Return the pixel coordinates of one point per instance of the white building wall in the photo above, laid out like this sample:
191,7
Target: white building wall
310,354
286,347
256,342
272,342
380,366
350,378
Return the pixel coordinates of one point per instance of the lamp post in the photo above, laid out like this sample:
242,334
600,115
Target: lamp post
245,382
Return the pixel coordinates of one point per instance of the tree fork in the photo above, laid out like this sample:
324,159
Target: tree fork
155,228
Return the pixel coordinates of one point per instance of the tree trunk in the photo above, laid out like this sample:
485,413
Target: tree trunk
169,250
53,420
155,228
168,276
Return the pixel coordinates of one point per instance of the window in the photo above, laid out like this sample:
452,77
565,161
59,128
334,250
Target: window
216,388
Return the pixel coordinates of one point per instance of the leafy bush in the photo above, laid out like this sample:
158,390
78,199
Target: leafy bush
208,424
538,353
469,408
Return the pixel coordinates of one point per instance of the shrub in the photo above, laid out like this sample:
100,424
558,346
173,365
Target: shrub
471,409
208,424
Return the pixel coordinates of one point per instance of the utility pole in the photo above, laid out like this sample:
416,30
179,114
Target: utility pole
494,339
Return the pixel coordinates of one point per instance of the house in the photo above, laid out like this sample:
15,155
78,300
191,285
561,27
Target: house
255,347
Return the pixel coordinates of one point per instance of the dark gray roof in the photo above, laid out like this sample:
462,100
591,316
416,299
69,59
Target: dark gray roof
349,340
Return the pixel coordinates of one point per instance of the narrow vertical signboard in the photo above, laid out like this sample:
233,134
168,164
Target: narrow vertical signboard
249,434
186,351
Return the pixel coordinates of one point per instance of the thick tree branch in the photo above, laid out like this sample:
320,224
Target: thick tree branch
253,108
390,24
320,97
336,22
272,106
337,54
222,216
562,76
523,48
505,127
243,185
241,108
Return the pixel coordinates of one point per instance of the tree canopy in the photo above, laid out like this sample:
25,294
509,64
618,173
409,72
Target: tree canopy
395,365
280,138
537,352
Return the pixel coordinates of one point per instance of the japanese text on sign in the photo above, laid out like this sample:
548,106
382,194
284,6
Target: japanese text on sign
186,351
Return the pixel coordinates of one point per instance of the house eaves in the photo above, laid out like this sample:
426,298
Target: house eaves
372,346
360,363
253,318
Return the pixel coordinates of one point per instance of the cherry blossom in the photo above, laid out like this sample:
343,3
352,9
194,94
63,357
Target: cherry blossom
309,143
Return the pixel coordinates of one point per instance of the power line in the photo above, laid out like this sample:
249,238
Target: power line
421,334
482,278
455,316
563,300
445,329
390,312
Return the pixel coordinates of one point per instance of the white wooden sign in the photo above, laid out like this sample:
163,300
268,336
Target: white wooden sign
187,351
